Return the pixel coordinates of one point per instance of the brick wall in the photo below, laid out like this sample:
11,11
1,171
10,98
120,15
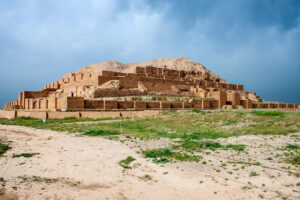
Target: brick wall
206,104
140,105
197,103
93,104
75,103
153,105
125,105
165,105
62,115
38,115
221,97
110,105
8,114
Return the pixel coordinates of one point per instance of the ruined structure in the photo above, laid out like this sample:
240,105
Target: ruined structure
156,84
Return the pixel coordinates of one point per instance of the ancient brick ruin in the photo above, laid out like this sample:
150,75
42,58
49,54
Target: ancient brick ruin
148,87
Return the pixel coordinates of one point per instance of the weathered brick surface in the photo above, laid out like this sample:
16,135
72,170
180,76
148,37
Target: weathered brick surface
187,105
125,105
206,104
62,115
93,104
140,105
197,103
7,114
75,103
95,115
153,105
176,105
38,115
110,105
165,105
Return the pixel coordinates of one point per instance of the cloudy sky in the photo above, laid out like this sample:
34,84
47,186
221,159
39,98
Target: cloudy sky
250,42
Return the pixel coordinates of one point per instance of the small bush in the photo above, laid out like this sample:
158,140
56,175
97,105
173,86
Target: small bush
267,112
156,153
295,159
164,154
292,146
3,148
125,163
253,173
101,132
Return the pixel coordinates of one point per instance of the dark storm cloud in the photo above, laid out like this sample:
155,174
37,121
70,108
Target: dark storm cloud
252,42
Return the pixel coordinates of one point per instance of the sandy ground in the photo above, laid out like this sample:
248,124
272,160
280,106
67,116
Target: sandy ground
69,166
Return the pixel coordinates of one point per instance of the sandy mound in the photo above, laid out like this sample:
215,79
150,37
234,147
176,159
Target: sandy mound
170,63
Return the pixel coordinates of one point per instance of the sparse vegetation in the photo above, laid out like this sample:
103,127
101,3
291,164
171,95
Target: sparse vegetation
253,173
292,146
295,160
237,147
3,148
165,155
26,155
101,132
126,163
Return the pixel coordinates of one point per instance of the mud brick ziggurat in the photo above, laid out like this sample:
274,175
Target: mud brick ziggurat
160,84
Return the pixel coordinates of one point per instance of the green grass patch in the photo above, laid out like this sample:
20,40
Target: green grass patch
295,160
26,155
3,148
267,112
195,110
101,132
292,146
253,173
164,155
126,163
236,147
196,145
168,112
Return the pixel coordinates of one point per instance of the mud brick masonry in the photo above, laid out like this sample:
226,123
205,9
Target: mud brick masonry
148,88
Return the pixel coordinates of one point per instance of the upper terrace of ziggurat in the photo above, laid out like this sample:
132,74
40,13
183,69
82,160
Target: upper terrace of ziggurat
161,84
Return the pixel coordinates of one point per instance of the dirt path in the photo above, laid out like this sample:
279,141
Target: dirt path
74,167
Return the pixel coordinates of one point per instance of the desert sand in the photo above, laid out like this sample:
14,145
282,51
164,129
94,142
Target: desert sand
70,166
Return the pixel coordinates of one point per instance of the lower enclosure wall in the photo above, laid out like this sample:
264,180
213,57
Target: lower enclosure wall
38,115
8,114
62,115
118,109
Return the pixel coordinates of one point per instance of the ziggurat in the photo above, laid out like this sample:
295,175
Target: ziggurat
157,86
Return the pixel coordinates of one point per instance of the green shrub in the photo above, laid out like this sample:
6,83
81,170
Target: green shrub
295,159
164,154
3,148
292,146
125,163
